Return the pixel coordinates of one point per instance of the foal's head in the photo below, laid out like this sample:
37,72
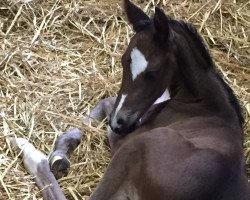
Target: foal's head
148,66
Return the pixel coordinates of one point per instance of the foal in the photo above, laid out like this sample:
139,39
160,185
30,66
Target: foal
186,148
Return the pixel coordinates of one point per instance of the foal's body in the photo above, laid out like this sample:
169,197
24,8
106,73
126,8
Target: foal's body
186,148
186,158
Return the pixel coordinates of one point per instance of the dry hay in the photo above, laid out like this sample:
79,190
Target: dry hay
59,58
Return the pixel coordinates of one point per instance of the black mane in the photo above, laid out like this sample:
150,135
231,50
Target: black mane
232,99
192,31
188,27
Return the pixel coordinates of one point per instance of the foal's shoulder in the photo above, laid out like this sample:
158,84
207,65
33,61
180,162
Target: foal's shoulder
212,133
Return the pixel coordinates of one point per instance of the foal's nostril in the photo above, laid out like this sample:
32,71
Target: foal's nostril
120,121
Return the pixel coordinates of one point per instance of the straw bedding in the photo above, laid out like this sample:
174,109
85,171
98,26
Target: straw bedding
59,58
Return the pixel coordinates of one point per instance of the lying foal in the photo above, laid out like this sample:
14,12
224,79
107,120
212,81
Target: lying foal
190,146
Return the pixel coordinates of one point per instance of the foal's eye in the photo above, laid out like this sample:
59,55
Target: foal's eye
152,75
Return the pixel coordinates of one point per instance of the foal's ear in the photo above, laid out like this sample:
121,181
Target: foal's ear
136,16
161,24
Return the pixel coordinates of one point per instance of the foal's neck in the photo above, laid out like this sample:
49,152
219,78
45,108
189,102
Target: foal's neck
198,81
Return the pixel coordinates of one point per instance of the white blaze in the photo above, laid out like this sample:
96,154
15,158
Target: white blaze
118,108
138,63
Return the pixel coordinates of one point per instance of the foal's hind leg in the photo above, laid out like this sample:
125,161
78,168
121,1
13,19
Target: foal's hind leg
101,111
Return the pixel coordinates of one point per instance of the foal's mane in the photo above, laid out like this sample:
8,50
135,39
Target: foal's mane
199,42
192,31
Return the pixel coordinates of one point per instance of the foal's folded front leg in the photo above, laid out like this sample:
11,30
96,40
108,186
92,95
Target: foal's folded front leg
101,111
64,146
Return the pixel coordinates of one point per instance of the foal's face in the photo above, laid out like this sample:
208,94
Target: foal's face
148,65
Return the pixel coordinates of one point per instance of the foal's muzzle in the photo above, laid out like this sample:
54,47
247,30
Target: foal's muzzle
122,125
123,130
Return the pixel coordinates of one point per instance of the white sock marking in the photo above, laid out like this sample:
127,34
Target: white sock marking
138,63
118,108
56,158
164,97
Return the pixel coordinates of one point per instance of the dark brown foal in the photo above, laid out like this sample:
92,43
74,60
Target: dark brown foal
188,147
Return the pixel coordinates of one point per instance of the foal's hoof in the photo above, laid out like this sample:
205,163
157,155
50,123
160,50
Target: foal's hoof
59,165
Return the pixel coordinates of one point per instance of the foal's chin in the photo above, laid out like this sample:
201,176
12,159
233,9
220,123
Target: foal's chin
125,130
